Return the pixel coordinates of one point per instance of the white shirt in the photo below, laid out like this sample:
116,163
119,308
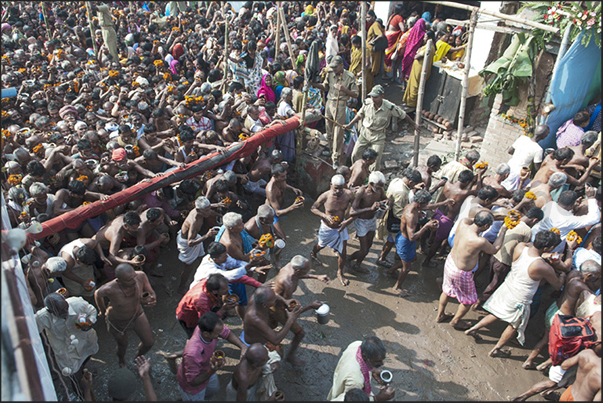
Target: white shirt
332,46
581,255
60,332
526,152
565,221
232,269
285,110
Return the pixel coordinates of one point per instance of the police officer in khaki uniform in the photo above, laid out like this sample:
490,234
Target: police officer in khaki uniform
376,115
341,85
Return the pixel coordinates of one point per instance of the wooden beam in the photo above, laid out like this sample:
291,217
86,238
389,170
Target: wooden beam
497,14
488,27
465,85
277,39
286,29
420,103
225,72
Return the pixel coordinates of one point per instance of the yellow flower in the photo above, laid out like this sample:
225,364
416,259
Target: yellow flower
167,76
83,178
22,71
481,165
555,230
226,200
38,148
113,73
574,236
531,195
176,29
266,240
158,62
15,179
243,136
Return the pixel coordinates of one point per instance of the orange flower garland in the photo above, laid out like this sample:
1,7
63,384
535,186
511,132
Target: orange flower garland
512,219
15,179
530,195
574,236
480,165
555,230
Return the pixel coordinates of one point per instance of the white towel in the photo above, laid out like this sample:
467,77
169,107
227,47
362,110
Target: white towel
188,254
331,237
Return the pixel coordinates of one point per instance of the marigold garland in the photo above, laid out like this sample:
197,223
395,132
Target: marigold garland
266,240
574,236
555,230
530,195
15,179
39,147
480,165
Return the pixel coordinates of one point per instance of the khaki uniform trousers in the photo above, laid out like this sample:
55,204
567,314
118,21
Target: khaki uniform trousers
335,133
367,139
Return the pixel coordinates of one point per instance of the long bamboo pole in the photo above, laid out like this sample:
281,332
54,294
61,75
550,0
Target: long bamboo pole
45,15
502,16
417,145
286,29
465,85
277,39
89,12
363,26
225,60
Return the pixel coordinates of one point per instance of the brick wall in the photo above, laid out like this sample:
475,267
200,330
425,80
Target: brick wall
500,135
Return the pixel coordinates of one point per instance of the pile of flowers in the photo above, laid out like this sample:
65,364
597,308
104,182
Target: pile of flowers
193,100
523,123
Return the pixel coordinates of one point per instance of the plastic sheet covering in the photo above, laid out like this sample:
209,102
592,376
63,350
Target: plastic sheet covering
571,85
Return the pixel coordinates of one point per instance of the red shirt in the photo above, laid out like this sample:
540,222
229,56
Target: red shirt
196,303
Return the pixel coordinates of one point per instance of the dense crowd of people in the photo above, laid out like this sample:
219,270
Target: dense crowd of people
102,96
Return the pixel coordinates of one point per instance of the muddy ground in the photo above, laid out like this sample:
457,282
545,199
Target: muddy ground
429,361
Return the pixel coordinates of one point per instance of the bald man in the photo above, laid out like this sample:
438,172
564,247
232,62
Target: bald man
244,382
127,294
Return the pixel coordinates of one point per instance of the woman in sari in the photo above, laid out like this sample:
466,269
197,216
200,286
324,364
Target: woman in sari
412,88
266,89
395,28
414,41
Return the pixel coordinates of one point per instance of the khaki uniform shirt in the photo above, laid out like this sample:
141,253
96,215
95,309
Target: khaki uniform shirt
521,233
348,81
377,120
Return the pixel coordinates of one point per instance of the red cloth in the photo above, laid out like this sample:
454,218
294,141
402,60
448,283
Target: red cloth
177,51
196,303
195,360
366,372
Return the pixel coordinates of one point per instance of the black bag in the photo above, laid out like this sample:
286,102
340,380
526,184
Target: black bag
380,43
392,223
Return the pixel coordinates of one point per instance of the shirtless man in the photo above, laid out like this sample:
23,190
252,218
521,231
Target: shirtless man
461,261
576,282
263,223
543,190
238,242
80,257
256,328
344,171
434,163
368,199
502,173
457,191
261,169
122,229
406,238
284,284
587,386
275,194
209,186
154,221
120,163
333,230
190,242
360,169
580,161
553,163
126,301
247,373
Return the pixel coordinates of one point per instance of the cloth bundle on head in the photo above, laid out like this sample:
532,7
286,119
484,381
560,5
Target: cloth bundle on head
142,81
118,154
67,109
56,265
413,43
177,51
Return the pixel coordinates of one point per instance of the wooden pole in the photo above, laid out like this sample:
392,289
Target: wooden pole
426,57
363,29
502,16
45,15
465,85
89,12
225,59
287,37
277,39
